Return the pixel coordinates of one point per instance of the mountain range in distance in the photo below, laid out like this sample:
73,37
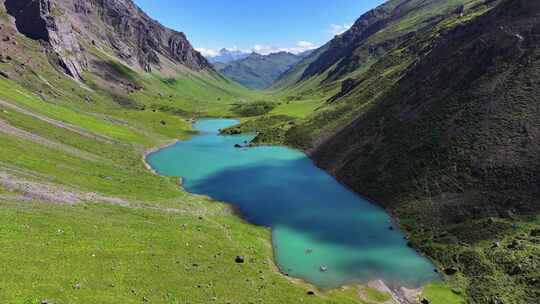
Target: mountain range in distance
226,55
255,71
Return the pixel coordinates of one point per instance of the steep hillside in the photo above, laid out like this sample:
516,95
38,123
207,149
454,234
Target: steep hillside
351,71
430,108
293,75
117,27
455,144
259,71
344,76
469,103
372,36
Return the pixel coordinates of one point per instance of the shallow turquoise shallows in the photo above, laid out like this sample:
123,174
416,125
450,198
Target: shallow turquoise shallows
322,232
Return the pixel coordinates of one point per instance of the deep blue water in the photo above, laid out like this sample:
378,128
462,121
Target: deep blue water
315,220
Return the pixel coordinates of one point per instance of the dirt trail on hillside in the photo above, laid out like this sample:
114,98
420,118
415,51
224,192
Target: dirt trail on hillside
6,128
57,123
33,191
27,186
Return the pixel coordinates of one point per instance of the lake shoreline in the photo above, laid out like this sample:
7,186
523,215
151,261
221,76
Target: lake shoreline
400,295
153,150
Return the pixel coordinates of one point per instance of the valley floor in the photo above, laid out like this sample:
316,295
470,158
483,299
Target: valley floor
82,220
85,222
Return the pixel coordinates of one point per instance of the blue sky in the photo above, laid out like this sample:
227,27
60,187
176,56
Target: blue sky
273,25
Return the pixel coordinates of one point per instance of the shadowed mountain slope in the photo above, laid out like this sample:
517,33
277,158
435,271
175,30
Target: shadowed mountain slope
458,139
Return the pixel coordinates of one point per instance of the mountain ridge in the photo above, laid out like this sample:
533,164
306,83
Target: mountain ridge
227,55
258,71
123,28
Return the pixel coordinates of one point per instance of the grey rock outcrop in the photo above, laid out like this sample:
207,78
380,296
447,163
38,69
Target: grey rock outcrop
70,27
134,35
36,19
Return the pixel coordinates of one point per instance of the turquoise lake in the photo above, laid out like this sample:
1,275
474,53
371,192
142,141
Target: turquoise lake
316,222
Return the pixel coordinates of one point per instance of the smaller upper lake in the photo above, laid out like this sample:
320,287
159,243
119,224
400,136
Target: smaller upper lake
322,232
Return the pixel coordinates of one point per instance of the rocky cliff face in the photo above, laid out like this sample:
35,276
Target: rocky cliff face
70,27
135,36
36,20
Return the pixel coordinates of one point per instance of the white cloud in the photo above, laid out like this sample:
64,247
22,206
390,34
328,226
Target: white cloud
265,49
207,52
301,46
338,29
231,50
306,45
210,53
